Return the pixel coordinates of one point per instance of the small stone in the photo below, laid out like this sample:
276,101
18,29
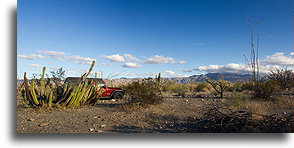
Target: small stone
91,129
113,100
202,99
31,119
43,124
103,125
99,131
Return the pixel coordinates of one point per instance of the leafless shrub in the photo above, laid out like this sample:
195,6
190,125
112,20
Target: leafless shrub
284,77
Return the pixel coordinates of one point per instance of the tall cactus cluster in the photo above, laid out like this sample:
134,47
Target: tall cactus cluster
38,94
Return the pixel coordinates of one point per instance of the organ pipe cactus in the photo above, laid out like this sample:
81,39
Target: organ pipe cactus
50,99
44,94
90,69
33,92
42,82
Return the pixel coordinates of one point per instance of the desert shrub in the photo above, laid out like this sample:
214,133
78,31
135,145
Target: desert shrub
143,92
283,77
201,86
180,89
246,86
236,100
263,89
235,87
168,85
220,86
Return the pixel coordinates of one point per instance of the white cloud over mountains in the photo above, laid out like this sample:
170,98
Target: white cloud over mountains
279,58
276,60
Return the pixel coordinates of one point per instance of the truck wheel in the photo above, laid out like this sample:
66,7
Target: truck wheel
118,95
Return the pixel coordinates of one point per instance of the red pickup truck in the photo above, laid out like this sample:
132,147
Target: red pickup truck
107,92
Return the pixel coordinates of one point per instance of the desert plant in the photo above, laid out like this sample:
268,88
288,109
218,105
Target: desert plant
201,86
58,76
144,92
264,89
235,87
284,77
41,94
236,99
261,88
220,86
167,85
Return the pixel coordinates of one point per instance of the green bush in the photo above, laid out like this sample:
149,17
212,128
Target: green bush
235,87
201,86
144,92
168,85
236,100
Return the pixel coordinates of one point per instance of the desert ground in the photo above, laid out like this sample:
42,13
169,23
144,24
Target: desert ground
173,115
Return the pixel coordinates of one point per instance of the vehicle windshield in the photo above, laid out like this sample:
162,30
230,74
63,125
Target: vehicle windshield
99,83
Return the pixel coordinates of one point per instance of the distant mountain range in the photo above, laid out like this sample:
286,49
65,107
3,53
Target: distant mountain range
213,76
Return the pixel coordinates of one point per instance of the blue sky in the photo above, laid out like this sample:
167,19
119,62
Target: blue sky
139,38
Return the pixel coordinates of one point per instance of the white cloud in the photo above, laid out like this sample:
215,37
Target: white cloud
114,58
157,59
54,54
234,68
148,74
170,73
187,70
106,64
167,73
276,60
31,56
279,58
34,65
80,60
131,65
130,57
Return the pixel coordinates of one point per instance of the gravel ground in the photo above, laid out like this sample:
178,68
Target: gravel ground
108,116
